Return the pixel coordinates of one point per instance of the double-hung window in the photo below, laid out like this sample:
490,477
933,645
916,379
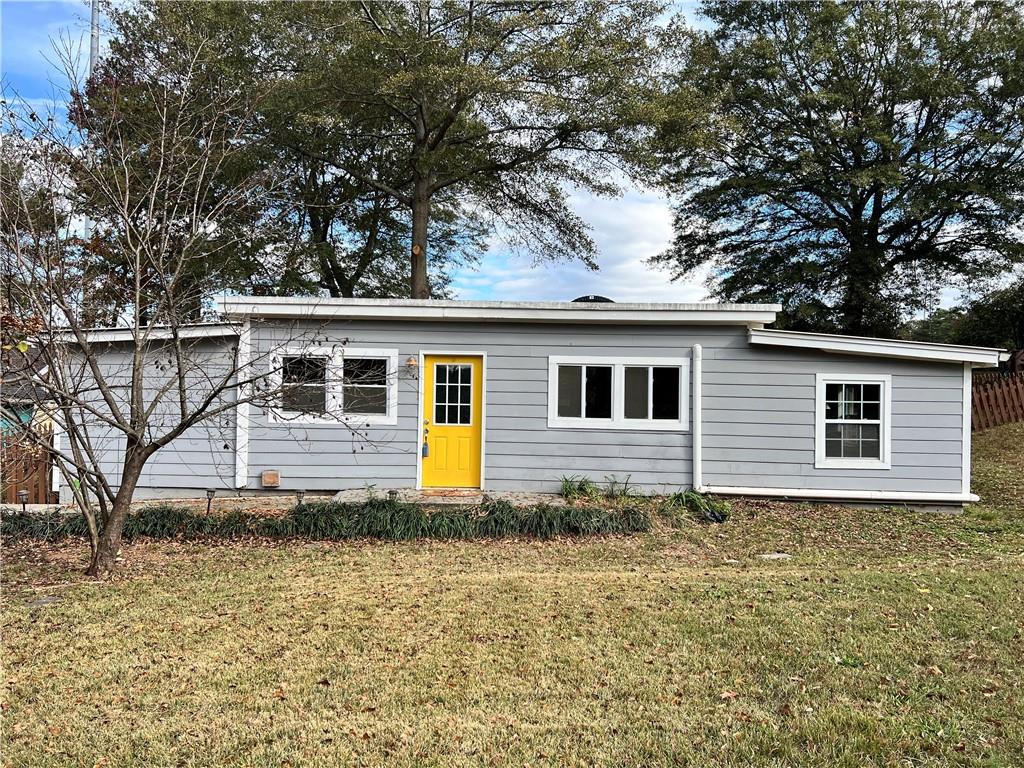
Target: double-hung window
853,413
335,384
618,393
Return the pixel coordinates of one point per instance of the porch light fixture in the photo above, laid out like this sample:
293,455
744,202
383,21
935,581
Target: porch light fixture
210,493
299,494
412,363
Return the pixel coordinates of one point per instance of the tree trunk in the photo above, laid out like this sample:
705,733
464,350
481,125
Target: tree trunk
861,303
420,218
104,556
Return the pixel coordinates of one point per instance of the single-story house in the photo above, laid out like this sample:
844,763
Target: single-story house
500,395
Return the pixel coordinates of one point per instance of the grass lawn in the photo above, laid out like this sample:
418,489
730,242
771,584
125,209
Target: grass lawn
889,638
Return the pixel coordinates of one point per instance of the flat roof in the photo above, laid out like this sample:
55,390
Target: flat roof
872,347
240,307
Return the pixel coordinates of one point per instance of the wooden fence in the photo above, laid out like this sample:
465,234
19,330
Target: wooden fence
24,467
997,400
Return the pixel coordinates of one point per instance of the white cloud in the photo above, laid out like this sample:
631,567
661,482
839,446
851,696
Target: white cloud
627,230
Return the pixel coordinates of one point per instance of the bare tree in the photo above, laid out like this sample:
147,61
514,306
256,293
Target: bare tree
152,196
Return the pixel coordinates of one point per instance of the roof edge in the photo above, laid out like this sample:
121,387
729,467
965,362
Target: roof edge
874,347
156,333
237,307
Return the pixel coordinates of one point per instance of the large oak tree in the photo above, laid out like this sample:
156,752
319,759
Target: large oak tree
848,157
501,104
425,124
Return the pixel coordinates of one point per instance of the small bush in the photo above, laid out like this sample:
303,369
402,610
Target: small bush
575,487
695,506
618,489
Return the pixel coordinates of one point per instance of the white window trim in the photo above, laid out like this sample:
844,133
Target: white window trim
885,433
336,356
618,420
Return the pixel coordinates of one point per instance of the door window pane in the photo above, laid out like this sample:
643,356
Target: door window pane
453,394
636,393
598,392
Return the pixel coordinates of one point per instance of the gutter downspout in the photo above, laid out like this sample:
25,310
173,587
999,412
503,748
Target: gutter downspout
697,430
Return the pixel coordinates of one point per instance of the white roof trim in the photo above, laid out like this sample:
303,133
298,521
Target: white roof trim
237,307
156,333
859,345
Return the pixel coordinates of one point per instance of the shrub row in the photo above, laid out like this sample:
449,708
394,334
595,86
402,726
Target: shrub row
375,519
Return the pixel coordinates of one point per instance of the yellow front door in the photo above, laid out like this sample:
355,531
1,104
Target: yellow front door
452,421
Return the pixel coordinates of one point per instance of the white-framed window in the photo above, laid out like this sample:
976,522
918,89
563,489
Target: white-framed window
645,393
853,414
335,384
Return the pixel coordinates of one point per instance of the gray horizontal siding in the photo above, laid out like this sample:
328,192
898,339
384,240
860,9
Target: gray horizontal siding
758,418
201,457
759,411
521,451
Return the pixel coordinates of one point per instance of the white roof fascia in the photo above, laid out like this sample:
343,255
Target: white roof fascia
237,307
860,345
155,333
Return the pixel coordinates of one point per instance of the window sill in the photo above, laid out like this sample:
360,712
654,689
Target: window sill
851,464
620,426
345,420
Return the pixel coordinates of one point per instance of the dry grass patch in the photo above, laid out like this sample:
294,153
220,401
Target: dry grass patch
889,638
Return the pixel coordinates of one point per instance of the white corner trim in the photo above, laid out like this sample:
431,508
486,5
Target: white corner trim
55,472
242,410
859,345
885,433
842,495
335,415
424,353
493,311
618,421
418,452
965,448
697,467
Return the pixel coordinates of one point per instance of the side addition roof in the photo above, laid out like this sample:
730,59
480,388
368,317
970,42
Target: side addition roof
861,345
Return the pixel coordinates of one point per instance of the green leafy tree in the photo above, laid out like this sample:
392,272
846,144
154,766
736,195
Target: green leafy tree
994,319
319,230
496,106
847,157
422,123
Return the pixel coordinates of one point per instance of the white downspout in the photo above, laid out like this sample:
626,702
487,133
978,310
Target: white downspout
242,371
697,430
